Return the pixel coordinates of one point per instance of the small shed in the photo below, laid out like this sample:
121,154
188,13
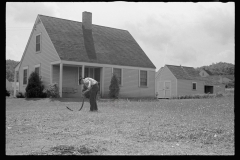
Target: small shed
181,80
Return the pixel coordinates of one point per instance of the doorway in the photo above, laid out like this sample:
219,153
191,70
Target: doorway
167,89
93,72
208,89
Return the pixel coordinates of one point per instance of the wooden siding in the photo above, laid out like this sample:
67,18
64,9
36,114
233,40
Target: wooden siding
185,87
55,74
107,80
70,79
166,75
130,86
31,58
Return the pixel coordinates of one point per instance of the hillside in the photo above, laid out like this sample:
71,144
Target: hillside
221,68
10,66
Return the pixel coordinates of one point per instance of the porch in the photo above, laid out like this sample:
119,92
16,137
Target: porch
67,77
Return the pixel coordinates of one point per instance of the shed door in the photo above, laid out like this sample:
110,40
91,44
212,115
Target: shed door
160,89
167,89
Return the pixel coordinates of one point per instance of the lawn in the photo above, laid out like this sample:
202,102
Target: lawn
121,127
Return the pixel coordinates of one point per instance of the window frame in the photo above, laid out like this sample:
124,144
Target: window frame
195,86
38,66
17,76
25,68
121,72
139,80
40,43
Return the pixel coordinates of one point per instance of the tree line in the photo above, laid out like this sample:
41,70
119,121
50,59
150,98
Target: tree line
10,67
220,68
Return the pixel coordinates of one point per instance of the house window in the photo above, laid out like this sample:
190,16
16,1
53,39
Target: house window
86,71
118,73
38,43
194,86
91,72
25,76
143,78
37,70
17,74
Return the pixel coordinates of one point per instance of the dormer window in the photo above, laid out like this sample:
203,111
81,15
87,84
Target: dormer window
38,43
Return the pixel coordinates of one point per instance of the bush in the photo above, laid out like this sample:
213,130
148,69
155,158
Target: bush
52,91
34,87
219,95
20,95
114,87
199,96
7,93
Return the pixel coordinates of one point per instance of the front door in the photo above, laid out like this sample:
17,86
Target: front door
160,89
97,77
167,89
93,72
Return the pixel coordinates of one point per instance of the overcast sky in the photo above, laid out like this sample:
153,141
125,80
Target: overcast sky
182,33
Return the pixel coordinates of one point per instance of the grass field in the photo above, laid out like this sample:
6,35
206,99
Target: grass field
164,127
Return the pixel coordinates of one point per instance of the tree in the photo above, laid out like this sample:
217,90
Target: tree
7,93
114,87
34,87
221,68
10,66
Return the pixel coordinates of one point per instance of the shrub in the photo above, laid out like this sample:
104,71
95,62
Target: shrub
7,93
34,87
114,87
20,95
219,95
52,91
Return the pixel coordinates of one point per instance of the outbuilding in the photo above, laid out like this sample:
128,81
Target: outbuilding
174,80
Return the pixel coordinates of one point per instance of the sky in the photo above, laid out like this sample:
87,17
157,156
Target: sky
173,33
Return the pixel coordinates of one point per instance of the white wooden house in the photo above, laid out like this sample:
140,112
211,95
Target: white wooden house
63,50
180,80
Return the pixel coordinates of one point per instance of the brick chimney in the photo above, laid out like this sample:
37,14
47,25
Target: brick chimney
87,20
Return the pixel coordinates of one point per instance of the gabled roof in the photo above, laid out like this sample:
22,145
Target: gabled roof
182,72
208,72
189,73
158,72
231,77
100,45
17,66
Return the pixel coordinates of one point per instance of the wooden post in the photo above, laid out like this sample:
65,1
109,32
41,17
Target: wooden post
60,79
51,73
83,72
14,92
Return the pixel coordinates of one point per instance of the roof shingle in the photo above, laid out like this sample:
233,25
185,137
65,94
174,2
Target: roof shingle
103,45
189,73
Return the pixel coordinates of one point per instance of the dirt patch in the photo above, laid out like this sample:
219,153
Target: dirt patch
67,150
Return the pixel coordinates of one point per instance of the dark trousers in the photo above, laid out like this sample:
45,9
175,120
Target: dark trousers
93,95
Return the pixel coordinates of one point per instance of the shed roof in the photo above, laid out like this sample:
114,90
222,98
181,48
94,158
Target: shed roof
189,73
182,72
103,45
208,72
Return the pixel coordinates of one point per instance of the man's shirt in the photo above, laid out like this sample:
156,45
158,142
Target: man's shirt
89,82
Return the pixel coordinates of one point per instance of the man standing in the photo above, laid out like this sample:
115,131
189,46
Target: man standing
93,88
